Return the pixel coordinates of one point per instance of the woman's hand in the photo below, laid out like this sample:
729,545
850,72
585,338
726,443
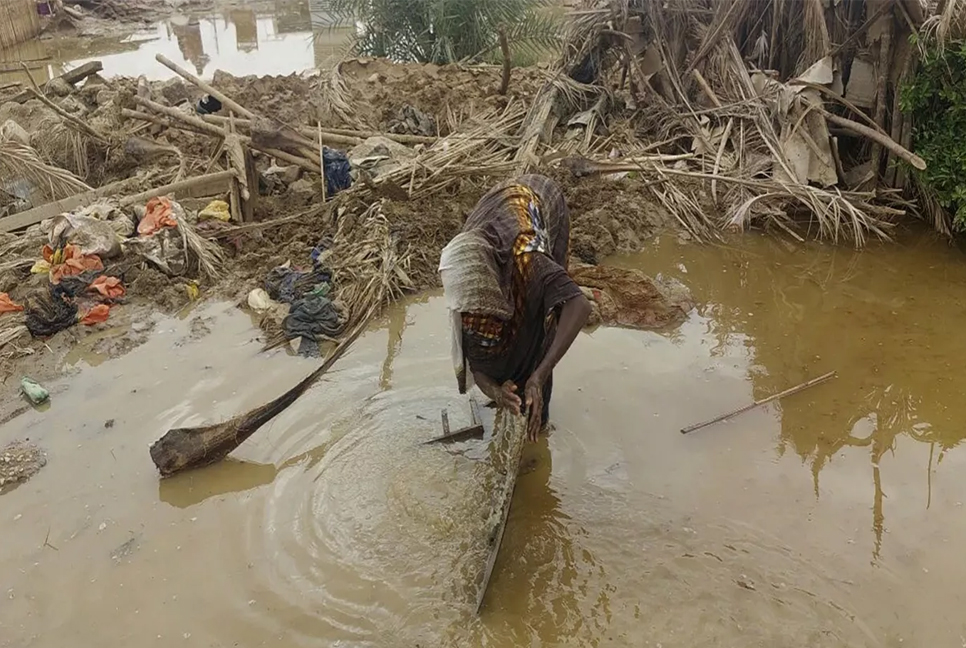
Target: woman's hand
534,396
508,397
504,396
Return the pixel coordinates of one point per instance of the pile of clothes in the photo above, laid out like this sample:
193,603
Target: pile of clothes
312,314
81,286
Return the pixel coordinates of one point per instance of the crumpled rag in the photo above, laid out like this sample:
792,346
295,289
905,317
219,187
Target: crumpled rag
109,287
7,305
158,215
69,262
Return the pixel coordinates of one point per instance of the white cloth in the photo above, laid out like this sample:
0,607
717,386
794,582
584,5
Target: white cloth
470,285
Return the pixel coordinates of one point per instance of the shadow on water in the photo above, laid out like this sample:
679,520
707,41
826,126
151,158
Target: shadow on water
883,318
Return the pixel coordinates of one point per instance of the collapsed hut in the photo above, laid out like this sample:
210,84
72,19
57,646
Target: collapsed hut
745,112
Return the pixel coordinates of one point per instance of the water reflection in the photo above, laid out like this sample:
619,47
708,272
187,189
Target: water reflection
292,37
803,311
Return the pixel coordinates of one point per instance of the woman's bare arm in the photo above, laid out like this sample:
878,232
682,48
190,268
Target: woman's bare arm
573,318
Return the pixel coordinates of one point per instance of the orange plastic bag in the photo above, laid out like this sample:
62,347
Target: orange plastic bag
7,305
96,315
157,217
69,262
109,287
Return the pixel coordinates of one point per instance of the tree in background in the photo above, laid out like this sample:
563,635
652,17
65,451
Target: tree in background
936,98
447,31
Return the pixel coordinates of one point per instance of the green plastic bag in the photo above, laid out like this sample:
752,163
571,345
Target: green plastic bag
34,391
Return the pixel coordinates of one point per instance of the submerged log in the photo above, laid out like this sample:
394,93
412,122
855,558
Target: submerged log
185,448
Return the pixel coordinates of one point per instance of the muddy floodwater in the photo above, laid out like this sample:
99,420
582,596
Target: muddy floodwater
834,518
267,38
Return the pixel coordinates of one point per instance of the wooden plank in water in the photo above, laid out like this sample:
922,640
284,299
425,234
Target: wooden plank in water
513,468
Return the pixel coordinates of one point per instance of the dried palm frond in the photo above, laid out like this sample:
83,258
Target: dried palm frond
63,146
333,99
947,24
21,161
206,255
369,270
483,145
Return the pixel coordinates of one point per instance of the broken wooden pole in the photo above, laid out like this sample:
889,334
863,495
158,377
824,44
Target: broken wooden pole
72,77
505,49
225,100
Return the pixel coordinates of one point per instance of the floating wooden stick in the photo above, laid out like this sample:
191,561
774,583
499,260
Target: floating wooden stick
742,410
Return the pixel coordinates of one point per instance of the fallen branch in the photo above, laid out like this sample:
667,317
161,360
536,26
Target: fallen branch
757,403
173,113
878,138
184,448
194,124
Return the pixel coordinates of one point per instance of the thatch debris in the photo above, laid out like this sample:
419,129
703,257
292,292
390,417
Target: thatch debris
759,93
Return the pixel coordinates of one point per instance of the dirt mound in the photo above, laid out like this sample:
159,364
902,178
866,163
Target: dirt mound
630,299
610,216
378,88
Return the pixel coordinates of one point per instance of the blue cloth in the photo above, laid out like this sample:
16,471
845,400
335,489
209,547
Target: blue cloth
337,169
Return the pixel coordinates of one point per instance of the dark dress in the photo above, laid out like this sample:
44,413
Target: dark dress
527,223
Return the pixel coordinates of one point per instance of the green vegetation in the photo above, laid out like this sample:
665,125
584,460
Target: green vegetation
446,31
936,98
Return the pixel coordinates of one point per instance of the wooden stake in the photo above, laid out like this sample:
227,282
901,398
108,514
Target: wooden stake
322,161
746,408
505,47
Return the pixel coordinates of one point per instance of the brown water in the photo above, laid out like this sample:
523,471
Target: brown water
832,519
266,38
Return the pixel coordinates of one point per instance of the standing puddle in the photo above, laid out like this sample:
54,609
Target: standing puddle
279,39
834,518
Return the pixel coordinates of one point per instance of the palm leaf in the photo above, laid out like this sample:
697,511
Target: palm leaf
21,161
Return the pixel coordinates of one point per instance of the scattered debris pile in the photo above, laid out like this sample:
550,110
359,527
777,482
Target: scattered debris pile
346,184
741,112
